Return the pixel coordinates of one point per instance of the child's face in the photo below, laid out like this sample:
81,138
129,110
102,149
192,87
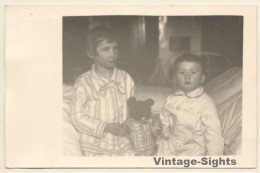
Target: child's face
107,54
189,76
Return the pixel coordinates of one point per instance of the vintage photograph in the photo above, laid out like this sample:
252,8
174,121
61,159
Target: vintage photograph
152,85
131,86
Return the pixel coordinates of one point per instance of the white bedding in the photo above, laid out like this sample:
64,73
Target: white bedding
70,136
226,91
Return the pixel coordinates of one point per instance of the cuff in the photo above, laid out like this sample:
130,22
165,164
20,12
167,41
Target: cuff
100,129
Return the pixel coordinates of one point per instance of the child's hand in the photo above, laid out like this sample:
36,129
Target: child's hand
157,132
116,129
156,125
156,120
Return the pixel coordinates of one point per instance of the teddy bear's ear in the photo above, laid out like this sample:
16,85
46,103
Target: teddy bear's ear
131,101
149,101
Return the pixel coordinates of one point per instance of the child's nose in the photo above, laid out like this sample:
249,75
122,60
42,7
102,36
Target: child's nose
187,76
112,53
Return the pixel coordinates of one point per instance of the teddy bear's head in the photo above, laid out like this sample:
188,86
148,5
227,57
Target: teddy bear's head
139,109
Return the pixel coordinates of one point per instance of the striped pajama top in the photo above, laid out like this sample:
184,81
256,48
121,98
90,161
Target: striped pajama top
197,112
98,101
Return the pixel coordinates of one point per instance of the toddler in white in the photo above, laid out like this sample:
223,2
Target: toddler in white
191,125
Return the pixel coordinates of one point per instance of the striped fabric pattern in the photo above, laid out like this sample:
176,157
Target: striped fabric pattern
141,135
197,112
98,101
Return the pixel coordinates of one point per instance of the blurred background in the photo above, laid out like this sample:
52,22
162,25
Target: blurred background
149,45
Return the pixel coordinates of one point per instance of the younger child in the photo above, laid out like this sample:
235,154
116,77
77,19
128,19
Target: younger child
190,122
99,106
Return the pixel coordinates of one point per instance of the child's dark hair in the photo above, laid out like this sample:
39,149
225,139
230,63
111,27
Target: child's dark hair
189,57
95,36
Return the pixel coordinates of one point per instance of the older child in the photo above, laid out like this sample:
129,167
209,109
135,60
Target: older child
189,117
100,101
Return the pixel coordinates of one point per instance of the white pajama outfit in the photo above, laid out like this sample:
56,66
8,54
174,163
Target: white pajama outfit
190,125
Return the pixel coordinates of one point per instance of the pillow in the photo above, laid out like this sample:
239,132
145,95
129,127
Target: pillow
225,85
71,145
226,91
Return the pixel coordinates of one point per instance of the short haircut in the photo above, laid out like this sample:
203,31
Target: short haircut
95,36
189,57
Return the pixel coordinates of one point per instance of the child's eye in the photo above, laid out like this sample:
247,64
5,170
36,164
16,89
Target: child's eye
181,72
106,48
115,49
193,72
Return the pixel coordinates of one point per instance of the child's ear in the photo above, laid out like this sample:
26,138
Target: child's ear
149,101
131,101
90,54
203,79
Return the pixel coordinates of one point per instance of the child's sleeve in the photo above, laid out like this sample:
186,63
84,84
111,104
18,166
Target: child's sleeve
129,123
79,116
213,132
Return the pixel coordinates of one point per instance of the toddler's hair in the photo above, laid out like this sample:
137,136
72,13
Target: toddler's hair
189,57
95,36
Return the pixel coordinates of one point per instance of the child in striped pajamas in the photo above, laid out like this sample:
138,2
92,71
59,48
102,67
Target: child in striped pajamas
100,99
191,126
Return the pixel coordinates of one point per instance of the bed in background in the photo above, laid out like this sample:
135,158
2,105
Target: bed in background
226,91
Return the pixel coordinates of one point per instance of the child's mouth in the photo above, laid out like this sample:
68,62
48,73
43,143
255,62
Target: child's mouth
112,60
187,83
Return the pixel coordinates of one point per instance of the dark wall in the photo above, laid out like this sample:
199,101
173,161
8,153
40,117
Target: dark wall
152,45
137,38
224,35
75,60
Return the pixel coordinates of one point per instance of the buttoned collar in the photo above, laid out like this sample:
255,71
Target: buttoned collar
193,94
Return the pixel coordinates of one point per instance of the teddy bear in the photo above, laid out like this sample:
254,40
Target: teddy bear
143,127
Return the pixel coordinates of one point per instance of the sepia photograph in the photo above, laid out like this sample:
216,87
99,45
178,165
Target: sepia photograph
152,85
131,87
